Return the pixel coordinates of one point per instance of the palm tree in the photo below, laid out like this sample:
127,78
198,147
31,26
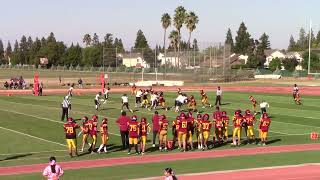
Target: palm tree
87,39
174,42
191,21
179,19
166,22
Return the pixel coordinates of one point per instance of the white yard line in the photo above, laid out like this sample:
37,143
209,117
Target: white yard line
18,132
143,112
47,119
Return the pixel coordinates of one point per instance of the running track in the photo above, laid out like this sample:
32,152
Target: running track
37,168
275,90
295,172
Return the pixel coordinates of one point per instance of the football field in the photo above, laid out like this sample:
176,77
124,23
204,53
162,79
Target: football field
31,132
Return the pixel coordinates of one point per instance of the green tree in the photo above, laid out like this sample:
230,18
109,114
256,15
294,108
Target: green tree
302,42
23,54
109,51
87,39
166,22
178,21
141,41
314,61
2,58
73,55
53,50
242,40
174,38
36,46
275,64
253,61
118,44
51,38
229,39
16,54
191,21
264,44
292,44
290,64
318,39
8,52
95,39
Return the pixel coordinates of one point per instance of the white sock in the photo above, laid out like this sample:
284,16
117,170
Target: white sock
101,146
105,148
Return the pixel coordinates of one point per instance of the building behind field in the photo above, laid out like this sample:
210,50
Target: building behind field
134,60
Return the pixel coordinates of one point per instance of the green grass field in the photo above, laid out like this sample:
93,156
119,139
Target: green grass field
31,131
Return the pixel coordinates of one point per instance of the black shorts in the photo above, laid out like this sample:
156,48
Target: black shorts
138,100
106,96
125,105
96,102
179,103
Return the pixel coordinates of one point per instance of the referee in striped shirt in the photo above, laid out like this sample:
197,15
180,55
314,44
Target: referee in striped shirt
66,105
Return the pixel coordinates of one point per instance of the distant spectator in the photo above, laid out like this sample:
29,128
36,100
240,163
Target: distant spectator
6,85
80,83
60,79
53,171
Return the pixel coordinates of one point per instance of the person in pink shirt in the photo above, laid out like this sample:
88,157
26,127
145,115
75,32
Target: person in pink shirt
155,127
123,124
169,175
53,171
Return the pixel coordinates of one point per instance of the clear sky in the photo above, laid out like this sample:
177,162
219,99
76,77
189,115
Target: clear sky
71,19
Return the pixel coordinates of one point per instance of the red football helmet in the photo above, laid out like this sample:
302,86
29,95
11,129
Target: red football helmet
224,113
205,117
182,115
248,112
162,117
199,116
189,115
264,115
134,117
95,117
143,120
178,117
85,118
70,119
104,120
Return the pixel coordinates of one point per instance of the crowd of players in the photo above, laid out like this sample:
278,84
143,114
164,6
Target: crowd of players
186,127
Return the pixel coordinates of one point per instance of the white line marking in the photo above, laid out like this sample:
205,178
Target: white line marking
236,170
142,112
18,132
47,119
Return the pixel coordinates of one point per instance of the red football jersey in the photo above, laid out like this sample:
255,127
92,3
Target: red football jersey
104,129
85,128
218,123
206,125
133,129
216,114
183,126
144,129
70,130
265,124
237,121
176,124
249,119
164,124
93,127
